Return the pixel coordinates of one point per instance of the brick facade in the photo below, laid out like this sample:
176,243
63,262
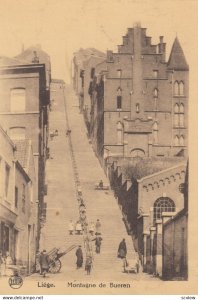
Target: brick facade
144,102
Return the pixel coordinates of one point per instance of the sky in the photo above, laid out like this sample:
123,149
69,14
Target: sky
63,26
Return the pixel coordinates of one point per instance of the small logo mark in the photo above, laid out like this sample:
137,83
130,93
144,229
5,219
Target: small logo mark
15,281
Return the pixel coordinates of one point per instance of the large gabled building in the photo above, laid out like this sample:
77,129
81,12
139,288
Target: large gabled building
140,100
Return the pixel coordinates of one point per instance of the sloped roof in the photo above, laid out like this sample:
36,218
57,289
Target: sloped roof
8,61
143,167
177,60
83,55
22,152
29,51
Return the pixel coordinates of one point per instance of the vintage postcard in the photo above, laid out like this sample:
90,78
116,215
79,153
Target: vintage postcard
98,147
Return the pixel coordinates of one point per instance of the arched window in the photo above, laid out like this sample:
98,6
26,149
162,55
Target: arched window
181,140
155,133
181,88
119,133
162,204
181,109
176,140
179,115
17,133
176,108
17,100
155,93
119,98
176,88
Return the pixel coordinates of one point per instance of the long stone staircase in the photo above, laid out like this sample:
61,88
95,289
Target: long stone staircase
62,204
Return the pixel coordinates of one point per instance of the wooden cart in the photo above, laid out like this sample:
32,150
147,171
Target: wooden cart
54,258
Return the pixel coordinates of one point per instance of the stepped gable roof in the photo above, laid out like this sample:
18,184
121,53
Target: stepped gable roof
22,152
177,60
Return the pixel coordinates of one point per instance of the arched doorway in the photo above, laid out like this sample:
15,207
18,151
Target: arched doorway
162,204
137,152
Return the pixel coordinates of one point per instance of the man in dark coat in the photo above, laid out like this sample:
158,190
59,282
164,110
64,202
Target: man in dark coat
79,255
122,249
44,262
98,241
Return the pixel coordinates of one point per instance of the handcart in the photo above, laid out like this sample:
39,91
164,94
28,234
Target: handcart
54,258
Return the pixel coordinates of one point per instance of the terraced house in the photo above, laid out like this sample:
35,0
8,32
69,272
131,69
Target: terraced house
24,89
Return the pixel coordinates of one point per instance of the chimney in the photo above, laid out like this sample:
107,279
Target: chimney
109,56
35,59
162,49
161,39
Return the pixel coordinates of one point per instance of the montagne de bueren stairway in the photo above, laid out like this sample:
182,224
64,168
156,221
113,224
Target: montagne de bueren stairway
62,203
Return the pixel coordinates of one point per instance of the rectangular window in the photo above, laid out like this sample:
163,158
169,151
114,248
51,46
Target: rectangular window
23,198
16,197
17,133
119,102
119,73
7,175
17,100
155,73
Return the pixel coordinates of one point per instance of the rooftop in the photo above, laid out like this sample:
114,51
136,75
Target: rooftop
177,60
142,167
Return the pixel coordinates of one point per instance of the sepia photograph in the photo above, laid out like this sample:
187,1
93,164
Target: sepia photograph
97,117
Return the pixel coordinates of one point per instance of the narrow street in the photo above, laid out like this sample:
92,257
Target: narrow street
62,205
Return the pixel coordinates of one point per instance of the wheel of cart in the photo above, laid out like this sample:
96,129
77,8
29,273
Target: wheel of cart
54,255
55,266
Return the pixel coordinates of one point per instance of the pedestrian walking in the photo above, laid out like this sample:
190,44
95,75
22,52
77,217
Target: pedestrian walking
122,252
100,185
44,263
122,249
79,256
71,227
88,264
98,242
98,227
91,228
78,227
